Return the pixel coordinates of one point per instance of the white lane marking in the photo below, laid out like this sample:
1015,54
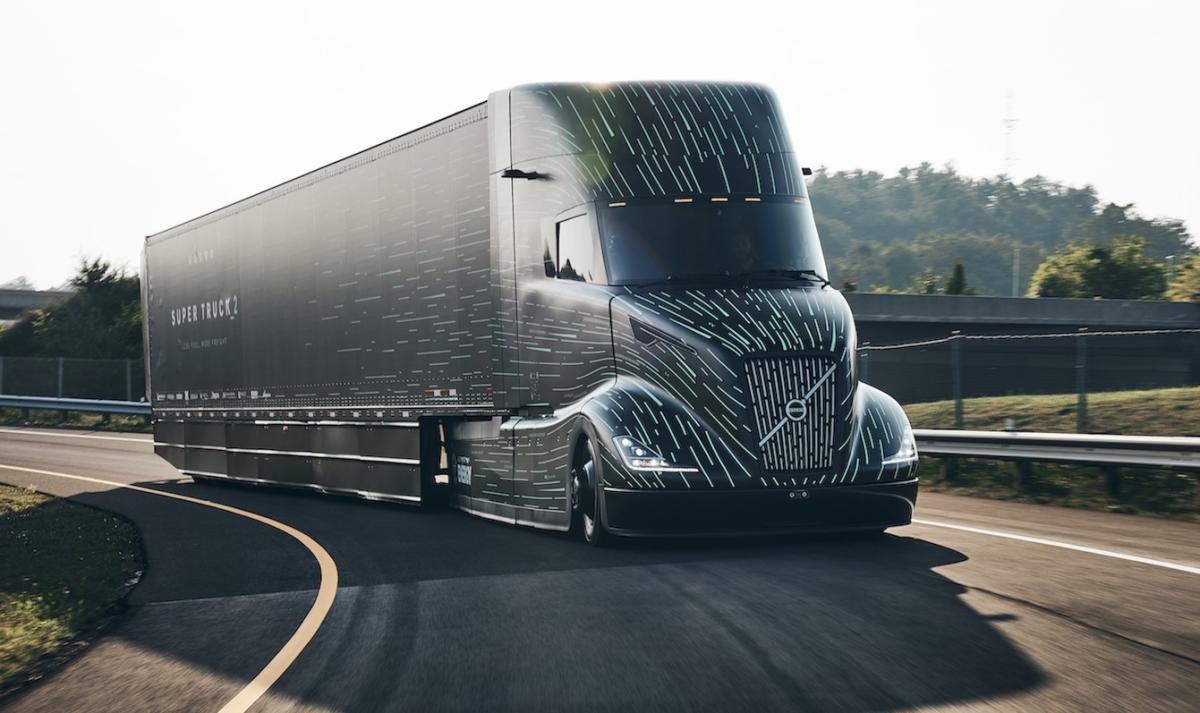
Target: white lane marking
33,432
1064,545
312,621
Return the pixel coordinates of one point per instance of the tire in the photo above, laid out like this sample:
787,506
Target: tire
587,514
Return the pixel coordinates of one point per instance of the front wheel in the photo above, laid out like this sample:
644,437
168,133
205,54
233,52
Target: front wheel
586,512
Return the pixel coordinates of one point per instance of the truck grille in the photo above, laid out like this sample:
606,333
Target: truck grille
794,433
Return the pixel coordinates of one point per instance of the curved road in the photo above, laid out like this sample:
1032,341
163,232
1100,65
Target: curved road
441,611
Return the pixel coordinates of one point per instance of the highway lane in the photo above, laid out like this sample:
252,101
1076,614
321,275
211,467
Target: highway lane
437,610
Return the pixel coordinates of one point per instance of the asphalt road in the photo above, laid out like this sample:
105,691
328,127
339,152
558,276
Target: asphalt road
442,611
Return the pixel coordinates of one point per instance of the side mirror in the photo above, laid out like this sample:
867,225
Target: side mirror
518,173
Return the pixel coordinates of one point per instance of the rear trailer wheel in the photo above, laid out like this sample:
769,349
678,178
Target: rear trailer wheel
586,513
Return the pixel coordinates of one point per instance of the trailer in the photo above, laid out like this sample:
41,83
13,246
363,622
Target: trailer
599,307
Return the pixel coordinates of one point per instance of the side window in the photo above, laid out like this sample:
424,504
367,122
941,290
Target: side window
576,250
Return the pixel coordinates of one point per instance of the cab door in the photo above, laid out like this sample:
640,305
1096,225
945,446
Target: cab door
562,303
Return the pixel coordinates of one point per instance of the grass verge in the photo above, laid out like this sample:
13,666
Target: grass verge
1154,412
94,421
64,571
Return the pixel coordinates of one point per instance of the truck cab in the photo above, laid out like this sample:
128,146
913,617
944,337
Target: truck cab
671,351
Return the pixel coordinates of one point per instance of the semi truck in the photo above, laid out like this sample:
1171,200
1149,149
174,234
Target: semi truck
590,307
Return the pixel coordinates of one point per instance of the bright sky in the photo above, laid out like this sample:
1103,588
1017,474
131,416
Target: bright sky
119,119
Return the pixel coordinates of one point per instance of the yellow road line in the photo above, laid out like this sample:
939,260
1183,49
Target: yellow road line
312,621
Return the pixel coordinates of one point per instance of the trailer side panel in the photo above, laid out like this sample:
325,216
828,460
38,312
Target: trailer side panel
364,286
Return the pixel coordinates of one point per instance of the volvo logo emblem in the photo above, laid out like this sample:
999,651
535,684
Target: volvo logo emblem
795,410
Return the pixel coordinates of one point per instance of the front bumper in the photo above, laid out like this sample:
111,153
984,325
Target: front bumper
845,508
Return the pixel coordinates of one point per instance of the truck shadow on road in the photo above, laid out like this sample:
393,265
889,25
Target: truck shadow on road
438,610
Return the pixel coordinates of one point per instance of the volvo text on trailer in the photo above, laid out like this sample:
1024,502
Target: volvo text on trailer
593,306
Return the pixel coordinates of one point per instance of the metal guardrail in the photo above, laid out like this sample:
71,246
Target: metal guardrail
1146,451
130,408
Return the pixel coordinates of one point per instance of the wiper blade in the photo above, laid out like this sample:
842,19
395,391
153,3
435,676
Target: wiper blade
789,274
726,275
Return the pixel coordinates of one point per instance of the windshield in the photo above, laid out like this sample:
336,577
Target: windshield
705,237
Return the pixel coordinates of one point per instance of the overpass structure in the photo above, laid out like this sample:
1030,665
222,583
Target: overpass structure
888,318
14,303
1158,352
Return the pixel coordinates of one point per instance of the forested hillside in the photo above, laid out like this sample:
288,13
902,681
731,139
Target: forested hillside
885,232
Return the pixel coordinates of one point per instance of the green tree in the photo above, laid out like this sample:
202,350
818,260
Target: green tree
102,319
926,283
1119,270
957,283
1185,284
1163,237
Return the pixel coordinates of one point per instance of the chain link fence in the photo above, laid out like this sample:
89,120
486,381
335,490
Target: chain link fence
112,379
962,369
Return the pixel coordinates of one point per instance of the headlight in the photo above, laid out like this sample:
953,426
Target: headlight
639,457
907,452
